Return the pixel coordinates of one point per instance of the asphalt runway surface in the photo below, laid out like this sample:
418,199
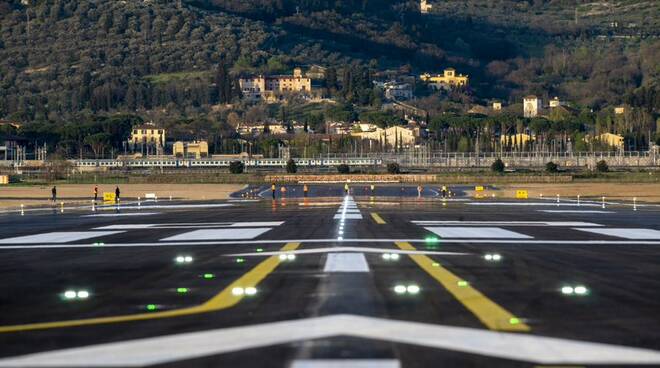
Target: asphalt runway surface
388,279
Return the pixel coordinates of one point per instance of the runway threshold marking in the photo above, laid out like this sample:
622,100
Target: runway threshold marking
487,311
223,300
379,220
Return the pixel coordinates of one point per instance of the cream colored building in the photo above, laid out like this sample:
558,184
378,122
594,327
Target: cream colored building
612,140
447,80
516,139
619,110
425,7
195,149
497,106
392,136
257,129
531,106
148,134
272,87
556,102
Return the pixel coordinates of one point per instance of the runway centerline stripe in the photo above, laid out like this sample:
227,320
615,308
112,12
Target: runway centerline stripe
346,363
379,220
346,262
223,300
488,312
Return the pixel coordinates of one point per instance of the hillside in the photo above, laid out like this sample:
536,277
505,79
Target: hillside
97,56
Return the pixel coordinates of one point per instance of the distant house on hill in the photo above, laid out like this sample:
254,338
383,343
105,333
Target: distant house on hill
532,106
274,87
447,80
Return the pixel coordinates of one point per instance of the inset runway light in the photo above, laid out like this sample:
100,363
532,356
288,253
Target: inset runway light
240,260
462,283
514,321
73,294
237,291
435,264
290,257
98,244
581,290
208,276
250,291
400,289
82,294
431,240
151,307
70,294
282,257
412,289
567,290
181,290
340,238
390,256
259,250
493,257
341,232
183,259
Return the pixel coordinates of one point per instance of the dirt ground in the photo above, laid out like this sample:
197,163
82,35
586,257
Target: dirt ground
620,191
83,193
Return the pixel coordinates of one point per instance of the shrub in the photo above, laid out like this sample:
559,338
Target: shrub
393,168
291,167
551,167
601,166
236,167
343,169
497,166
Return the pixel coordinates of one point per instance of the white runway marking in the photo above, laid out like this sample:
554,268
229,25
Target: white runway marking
187,225
476,232
123,214
346,363
348,249
346,262
218,234
348,216
192,345
637,234
543,204
57,237
575,211
507,223
176,206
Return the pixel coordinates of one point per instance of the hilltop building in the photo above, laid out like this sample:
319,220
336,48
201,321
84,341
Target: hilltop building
447,80
397,91
393,136
531,106
496,106
272,88
425,7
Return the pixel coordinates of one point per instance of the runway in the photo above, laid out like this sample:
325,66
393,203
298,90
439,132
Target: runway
384,278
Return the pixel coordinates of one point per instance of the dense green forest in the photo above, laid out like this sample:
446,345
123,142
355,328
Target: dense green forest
67,62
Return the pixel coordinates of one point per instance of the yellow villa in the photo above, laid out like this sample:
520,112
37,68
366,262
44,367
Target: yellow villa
270,87
447,80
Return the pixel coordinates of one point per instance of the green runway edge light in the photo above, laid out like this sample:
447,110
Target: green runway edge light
240,260
259,250
514,321
151,307
209,275
182,290
463,283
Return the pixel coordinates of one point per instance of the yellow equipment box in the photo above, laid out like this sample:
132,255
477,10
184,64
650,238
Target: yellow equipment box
522,194
479,189
109,197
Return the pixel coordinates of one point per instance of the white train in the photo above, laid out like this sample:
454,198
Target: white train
209,163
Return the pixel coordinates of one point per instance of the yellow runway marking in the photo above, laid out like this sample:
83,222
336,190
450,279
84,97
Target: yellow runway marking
379,220
488,312
225,299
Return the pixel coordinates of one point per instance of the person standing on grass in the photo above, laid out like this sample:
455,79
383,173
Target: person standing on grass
117,193
53,193
96,193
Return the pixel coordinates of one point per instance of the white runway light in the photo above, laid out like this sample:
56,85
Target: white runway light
412,289
73,294
493,257
400,289
70,294
581,290
250,291
237,291
83,294
183,259
567,290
